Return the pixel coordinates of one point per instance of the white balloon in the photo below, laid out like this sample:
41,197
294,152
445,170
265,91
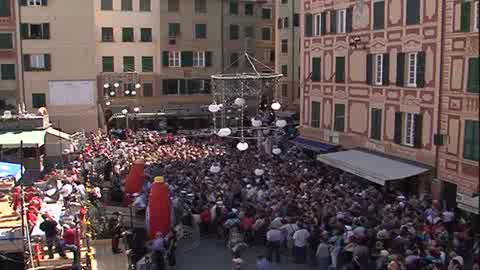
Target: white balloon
259,172
106,85
213,108
224,132
215,169
242,146
277,151
276,106
239,101
281,123
256,122
183,140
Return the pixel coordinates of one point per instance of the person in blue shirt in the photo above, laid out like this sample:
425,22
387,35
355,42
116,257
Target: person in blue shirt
263,263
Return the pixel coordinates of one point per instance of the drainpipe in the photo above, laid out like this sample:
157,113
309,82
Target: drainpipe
222,34
21,69
440,95
294,67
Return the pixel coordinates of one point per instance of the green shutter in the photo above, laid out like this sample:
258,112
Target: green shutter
165,58
48,61
200,31
147,63
376,126
316,69
46,30
333,21
44,2
233,32
38,100
8,71
413,12
473,85
339,121
106,5
308,25
471,147
421,69
24,30
107,64
173,29
145,5
386,69
127,5
417,132
208,59
349,20
6,41
465,16
369,69
324,23
315,114
128,64
400,69
147,89
340,69
187,58
233,7
378,15
397,137
146,34
127,34
5,8
26,62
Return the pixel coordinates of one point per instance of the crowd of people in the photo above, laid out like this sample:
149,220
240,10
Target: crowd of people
298,208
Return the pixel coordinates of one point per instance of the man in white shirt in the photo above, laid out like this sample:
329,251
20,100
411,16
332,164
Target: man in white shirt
300,238
274,238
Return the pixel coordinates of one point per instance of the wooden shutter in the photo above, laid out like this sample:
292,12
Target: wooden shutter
165,58
26,62
473,84
465,16
23,2
44,2
308,25
48,62
187,58
147,64
418,121
324,23
397,137
46,30
183,86
279,23
369,69
339,121
379,15
208,59
340,69
5,8
333,21
349,20
421,69
413,12
24,30
400,69
471,147
316,69
386,69
376,125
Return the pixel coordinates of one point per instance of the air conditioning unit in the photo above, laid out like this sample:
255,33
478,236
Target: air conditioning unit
334,138
172,41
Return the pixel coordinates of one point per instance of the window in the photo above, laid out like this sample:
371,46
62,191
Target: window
39,100
105,4
33,2
201,6
200,31
476,17
376,124
234,61
266,33
378,15
107,64
286,23
296,20
249,32
315,115
284,1
267,55
285,90
199,59
172,86
248,9
127,34
234,29
173,5
318,25
146,34
147,63
128,64
233,8
147,89
266,13
409,136
279,23
339,121
173,30
37,62
285,70
7,71
284,45
174,59
412,70
379,69
316,69
127,5
413,12
340,69
145,5
6,41
471,147
5,9
341,21
473,83
107,34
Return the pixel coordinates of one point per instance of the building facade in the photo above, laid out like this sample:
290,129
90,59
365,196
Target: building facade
459,156
287,51
8,55
58,60
370,77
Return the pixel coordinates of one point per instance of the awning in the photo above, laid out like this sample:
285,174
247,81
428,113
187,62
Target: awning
11,169
313,145
375,168
468,203
32,138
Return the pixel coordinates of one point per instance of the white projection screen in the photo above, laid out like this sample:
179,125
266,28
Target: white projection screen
61,93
